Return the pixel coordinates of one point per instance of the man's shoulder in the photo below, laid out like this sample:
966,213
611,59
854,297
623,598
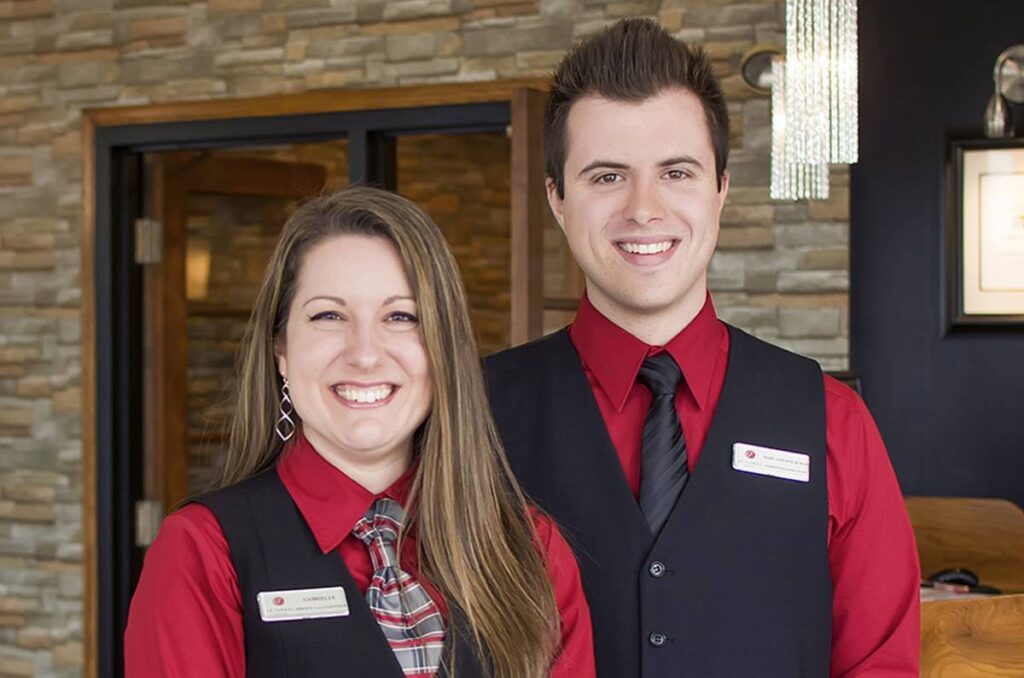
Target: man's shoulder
845,407
761,350
513,361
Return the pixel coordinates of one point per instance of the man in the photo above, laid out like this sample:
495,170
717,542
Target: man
734,513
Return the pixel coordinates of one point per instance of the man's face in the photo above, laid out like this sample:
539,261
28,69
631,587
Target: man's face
641,204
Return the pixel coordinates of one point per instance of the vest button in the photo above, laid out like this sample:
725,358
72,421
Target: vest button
657,569
657,639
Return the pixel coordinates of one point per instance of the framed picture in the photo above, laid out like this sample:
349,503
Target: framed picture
985,268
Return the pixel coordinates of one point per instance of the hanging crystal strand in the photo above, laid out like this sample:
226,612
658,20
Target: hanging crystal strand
790,180
795,81
818,100
846,148
800,106
780,187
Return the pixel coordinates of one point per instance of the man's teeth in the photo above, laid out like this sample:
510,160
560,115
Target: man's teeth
363,395
645,248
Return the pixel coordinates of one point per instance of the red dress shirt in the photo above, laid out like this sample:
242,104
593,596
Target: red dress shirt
872,555
186,615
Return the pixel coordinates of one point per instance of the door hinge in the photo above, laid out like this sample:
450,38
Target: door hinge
149,513
149,241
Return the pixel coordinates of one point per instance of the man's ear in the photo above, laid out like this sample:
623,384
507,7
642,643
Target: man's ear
555,201
724,190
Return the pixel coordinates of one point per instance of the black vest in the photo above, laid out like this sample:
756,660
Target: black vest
273,549
737,583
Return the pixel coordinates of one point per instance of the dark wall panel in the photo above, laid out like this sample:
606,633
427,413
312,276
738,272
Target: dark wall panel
950,406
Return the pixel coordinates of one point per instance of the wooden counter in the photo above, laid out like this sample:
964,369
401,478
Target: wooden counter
973,638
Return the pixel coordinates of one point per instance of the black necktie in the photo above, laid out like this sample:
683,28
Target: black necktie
663,470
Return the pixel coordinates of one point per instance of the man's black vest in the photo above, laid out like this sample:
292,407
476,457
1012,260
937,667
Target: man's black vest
273,549
737,583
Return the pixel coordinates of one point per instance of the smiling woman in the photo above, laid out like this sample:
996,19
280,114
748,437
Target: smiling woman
355,365
374,530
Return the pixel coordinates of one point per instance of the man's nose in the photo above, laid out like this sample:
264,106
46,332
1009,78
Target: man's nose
644,203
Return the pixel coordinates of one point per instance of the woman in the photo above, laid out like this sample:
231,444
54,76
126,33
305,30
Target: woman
361,431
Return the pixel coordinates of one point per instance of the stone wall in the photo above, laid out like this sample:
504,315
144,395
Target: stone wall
782,269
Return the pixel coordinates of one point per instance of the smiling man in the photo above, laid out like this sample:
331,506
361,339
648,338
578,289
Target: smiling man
734,512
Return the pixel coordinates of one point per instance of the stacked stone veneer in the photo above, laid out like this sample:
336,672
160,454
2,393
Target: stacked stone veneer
782,270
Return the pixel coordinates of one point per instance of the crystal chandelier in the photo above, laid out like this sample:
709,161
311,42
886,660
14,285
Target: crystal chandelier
814,97
791,179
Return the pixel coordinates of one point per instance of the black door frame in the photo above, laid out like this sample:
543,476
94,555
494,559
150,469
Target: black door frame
118,294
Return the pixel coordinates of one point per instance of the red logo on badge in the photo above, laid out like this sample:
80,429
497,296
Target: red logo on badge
278,600
751,454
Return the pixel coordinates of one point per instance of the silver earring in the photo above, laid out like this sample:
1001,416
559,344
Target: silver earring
285,426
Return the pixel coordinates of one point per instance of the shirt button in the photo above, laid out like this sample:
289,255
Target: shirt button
657,639
657,569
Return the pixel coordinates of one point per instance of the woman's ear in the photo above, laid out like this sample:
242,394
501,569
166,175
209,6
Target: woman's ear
279,358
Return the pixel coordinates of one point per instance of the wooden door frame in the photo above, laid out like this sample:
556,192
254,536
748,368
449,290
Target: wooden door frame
527,203
176,176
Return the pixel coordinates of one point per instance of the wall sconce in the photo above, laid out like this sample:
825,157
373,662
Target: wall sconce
1008,78
756,67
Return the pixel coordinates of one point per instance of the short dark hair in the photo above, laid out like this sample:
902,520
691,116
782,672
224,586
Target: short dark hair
631,60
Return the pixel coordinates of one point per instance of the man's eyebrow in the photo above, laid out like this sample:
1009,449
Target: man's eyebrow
681,160
603,164
668,162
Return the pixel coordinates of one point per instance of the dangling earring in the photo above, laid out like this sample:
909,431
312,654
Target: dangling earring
285,427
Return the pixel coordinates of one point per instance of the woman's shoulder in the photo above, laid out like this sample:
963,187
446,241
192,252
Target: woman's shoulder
190,551
190,539
193,523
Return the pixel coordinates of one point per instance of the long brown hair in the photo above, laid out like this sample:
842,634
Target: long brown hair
476,541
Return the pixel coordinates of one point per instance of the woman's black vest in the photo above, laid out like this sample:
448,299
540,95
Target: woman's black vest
273,549
737,584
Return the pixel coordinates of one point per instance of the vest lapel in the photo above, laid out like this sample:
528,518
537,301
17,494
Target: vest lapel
352,638
575,416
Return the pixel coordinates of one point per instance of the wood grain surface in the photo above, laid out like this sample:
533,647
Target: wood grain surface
973,638
984,535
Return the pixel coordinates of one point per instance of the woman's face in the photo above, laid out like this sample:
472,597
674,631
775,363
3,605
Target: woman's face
353,354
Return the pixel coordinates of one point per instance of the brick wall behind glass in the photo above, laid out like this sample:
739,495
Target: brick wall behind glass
782,271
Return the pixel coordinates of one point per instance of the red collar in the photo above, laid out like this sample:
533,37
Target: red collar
614,356
330,501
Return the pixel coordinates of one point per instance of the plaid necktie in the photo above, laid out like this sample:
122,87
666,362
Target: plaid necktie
410,620
663,469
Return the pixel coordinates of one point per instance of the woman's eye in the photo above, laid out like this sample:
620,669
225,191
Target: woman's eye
326,315
402,317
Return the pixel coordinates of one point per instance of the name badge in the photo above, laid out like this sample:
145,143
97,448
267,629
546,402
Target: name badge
765,461
278,606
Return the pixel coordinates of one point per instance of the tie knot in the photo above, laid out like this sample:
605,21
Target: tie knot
661,374
382,522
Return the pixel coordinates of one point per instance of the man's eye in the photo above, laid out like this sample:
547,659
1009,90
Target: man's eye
402,317
609,178
326,315
676,174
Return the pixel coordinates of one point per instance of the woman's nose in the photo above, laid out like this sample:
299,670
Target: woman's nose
363,348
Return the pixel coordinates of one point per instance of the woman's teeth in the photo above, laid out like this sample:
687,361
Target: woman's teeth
645,248
363,395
